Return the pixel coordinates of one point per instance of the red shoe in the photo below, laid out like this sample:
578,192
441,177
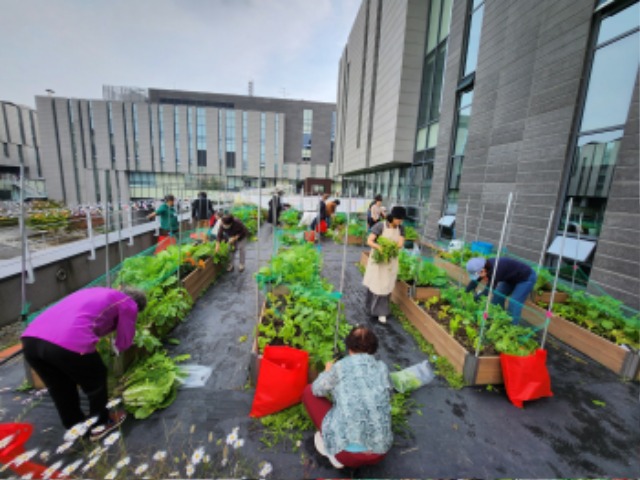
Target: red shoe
115,420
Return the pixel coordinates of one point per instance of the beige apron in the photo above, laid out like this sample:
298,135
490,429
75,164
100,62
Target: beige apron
380,278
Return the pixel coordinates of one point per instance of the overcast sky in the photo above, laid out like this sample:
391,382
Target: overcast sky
287,47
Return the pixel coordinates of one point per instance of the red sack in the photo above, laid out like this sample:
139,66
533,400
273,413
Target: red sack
281,380
310,236
526,378
164,242
322,228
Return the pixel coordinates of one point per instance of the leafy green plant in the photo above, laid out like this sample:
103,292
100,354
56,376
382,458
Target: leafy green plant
300,264
389,250
287,426
406,266
356,229
602,315
544,281
151,384
411,233
339,219
290,218
430,275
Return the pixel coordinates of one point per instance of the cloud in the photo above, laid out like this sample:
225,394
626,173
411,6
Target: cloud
76,46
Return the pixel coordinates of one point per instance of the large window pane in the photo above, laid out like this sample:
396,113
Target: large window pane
427,80
434,110
611,84
433,136
473,44
421,142
619,23
434,23
446,19
463,131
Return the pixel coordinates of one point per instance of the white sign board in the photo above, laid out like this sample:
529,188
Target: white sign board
574,249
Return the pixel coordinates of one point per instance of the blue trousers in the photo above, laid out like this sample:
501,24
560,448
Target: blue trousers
518,292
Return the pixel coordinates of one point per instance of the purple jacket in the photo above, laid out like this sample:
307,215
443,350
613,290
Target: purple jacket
78,321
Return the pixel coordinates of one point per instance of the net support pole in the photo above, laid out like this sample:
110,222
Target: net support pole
485,314
107,224
546,239
258,243
342,273
549,313
130,225
575,257
23,249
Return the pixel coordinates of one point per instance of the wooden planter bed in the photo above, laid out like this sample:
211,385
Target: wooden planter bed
354,240
199,280
475,370
616,358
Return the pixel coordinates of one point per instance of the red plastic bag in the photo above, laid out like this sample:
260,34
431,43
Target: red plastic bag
526,378
281,380
310,236
322,228
164,242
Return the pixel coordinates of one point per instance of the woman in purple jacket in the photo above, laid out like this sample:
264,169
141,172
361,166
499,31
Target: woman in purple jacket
60,345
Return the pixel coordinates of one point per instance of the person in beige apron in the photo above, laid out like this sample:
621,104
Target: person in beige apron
380,278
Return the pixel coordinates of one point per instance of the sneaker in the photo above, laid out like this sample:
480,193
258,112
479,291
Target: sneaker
382,319
241,268
230,267
319,443
115,420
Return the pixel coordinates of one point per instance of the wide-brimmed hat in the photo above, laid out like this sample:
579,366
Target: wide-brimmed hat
474,266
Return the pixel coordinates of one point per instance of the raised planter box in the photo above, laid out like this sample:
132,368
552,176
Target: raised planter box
614,357
354,240
545,297
199,280
475,370
456,272
425,293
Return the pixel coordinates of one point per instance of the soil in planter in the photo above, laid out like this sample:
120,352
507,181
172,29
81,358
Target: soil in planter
461,334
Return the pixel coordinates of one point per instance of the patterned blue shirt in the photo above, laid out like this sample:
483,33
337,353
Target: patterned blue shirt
361,412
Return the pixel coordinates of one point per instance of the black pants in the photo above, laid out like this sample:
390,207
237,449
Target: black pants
62,371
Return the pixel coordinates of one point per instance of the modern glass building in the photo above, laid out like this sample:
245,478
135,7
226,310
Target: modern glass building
447,106
137,143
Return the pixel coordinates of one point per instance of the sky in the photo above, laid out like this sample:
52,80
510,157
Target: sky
289,48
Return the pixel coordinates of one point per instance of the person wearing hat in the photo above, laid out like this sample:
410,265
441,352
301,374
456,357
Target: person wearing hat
380,278
235,233
513,279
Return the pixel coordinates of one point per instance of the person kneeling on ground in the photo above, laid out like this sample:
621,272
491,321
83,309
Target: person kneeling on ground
234,232
512,278
60,345
356,429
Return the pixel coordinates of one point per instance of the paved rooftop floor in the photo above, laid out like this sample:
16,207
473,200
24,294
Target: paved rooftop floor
470,433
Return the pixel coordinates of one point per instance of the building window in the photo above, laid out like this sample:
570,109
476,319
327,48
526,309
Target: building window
201,136
151,135
263,136
245,159
285,170
161,133
275,171
230,141
176,133
460,143
432,80
307,127
190,134
112,148
333,135
136,136
276,148
473,37
606,107
220,140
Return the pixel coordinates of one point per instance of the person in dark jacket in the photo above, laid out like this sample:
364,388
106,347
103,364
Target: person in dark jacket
235,233
512,278
322,211
201,210
275,208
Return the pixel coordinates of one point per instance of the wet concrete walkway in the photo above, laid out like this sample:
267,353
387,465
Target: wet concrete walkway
473,432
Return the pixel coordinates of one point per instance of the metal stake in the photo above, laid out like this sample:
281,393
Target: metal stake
546,239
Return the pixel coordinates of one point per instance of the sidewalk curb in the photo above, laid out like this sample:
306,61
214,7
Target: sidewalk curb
10,352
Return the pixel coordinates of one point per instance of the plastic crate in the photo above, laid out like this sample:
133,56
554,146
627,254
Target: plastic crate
484,248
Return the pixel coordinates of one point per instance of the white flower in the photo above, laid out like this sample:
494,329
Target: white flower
196,458
72,467
74,432
27,476
90,464
190,470
124,462
238,443
174,474
232,437
114,403
64,447
89,422
44,455
51,470
206,458
111,475
141,469
7,440
224,462
111,439
160,455
266,469
23,457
